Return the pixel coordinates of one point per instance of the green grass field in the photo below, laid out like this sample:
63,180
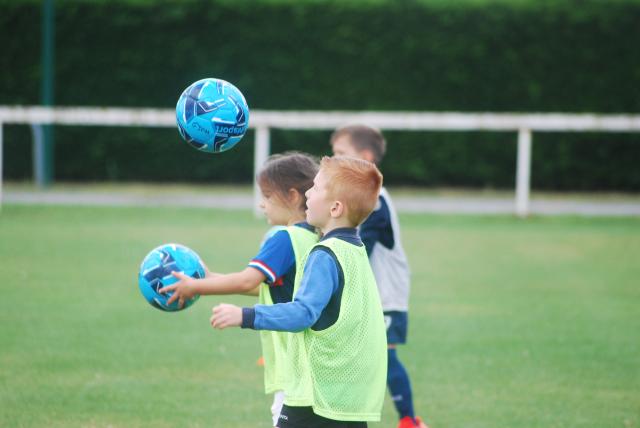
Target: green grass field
513,323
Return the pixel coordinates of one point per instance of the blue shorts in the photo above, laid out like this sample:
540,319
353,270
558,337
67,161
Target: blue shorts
396,322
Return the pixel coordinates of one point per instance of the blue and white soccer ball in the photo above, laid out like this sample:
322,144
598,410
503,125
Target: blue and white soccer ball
155,273
212,115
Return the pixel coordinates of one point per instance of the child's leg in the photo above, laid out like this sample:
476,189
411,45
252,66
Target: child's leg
276,407
399,385
397,376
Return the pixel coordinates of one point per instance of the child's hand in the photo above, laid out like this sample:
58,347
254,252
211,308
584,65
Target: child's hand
183,290
225,315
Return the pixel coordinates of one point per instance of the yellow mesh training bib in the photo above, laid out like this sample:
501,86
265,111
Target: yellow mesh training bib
341,371
274,343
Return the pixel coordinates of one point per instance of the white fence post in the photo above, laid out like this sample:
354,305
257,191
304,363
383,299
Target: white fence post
260,155
523,173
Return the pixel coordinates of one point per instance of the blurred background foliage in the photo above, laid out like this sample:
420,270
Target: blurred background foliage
471,56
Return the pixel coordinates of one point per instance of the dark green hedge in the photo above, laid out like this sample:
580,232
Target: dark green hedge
570,56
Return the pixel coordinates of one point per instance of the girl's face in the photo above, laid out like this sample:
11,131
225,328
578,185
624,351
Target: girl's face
275,208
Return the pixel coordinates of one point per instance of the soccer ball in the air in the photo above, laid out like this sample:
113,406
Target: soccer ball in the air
212,115
155,273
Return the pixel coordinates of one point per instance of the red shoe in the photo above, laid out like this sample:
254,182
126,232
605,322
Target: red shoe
409,422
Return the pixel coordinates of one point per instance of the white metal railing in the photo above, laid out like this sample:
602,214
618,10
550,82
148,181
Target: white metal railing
262,121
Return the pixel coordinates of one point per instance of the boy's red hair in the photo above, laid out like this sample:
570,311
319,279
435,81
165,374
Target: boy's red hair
354,182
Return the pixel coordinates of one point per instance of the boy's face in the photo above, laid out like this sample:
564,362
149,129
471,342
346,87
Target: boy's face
318,202
342,146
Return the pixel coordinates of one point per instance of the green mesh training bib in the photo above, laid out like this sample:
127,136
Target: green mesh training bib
341,371
274,343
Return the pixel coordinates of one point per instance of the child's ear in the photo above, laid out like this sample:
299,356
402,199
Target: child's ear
337,209
368,155
294,197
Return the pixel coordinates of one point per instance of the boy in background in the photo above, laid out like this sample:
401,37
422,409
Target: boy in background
337,348
381,236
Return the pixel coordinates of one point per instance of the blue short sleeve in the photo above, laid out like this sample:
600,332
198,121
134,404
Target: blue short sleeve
276,257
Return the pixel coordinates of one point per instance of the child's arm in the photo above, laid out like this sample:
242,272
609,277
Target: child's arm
377,227
276,257
320,281
253,292
243,282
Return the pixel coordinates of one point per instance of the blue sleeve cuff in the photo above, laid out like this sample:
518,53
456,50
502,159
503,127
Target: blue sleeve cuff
248,317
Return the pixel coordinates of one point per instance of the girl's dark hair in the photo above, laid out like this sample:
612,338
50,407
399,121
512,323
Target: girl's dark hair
289,170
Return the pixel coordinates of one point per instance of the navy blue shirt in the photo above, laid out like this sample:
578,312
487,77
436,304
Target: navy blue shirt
377,227
317,302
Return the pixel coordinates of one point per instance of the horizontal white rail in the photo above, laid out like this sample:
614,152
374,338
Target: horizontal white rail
446,121
262,121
